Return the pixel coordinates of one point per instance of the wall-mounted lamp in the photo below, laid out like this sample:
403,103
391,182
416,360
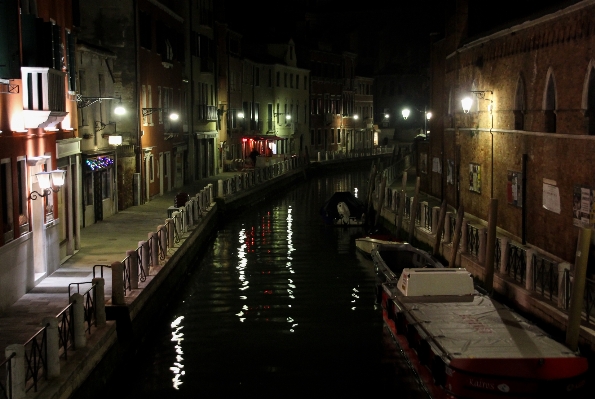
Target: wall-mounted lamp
49,182
386,116
99,126
427,116
468,101
356,116
172,115
287,116
239,112
83,102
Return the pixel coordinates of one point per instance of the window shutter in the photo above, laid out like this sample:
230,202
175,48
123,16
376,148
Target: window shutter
9,40
71,62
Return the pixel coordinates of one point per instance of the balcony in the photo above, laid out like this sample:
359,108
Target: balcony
206,112
44,97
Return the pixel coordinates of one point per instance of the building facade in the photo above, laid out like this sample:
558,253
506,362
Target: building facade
38,120
527,138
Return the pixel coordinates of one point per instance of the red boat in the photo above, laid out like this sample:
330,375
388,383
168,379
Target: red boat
464,344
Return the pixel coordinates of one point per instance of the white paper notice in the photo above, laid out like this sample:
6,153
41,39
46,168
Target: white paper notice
551,198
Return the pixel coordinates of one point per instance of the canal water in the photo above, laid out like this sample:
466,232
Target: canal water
280,305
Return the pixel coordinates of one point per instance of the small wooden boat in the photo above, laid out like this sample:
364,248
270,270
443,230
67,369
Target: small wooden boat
343,209
464,344
373,239
370,243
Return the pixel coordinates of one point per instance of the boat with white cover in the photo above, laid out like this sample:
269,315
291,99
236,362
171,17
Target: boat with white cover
465,344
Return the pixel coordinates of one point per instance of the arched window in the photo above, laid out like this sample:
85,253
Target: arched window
549,104
519,105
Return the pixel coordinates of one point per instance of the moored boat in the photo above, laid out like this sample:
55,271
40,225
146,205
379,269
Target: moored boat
344,209
390,260
467,345
370,243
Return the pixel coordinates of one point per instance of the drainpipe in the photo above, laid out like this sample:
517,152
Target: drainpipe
139,156
192,96
524,200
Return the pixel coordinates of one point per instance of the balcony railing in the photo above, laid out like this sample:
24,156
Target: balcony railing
44,97
206,112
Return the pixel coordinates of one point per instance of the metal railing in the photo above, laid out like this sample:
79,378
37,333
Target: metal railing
160,232
427,216
407,208
545,276
65,330
6,377
418,213
141,272
497,253
472,239
517,263
89,299
35,359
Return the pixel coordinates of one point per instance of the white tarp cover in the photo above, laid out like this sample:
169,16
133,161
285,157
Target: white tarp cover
482,328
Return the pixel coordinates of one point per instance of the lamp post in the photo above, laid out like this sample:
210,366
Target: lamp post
467,102
427,116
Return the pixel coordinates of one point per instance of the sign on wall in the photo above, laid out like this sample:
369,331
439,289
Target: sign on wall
450,171
475,177
513,188
551,196
583,209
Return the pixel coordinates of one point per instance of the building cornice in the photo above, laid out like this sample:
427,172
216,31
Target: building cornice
523,26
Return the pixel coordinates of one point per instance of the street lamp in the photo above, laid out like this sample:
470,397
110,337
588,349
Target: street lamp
172,115
49,182
427,116
466,103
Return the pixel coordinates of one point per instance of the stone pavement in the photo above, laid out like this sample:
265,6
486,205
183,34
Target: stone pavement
101,244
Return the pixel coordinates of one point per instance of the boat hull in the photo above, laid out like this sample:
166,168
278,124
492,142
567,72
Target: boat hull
518,367
369,244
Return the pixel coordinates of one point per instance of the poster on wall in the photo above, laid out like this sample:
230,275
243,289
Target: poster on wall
423,161
551,196
436,166
450,171
583,209
513,188
475,177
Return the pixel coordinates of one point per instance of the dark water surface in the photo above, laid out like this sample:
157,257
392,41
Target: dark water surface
280,306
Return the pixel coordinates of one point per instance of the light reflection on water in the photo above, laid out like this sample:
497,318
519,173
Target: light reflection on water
177,337
279,301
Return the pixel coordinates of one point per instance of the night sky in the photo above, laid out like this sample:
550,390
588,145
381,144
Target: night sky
388,35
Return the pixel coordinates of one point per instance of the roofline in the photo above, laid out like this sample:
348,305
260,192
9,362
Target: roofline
522,26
